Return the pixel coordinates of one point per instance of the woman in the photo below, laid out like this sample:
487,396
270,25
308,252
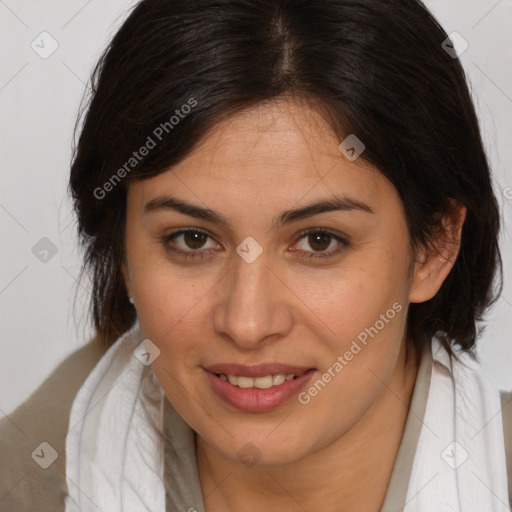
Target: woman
288,216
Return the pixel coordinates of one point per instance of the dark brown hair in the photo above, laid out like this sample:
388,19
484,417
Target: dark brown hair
377,67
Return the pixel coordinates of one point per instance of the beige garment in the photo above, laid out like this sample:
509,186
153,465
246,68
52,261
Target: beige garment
399,481
506,407
43,417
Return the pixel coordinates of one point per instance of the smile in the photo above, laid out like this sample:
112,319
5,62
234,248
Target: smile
257,389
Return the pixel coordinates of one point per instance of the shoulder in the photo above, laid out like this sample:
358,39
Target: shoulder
42,418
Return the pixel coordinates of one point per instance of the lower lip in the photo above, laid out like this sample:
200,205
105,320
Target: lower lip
254,399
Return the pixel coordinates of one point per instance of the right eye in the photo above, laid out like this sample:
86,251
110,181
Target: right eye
186,243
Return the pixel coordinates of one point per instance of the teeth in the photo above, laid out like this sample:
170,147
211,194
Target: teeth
245,382
278,379
264,382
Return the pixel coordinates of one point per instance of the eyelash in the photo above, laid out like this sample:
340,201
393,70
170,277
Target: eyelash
192,255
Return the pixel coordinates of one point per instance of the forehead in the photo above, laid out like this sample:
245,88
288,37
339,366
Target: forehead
280,151
283,134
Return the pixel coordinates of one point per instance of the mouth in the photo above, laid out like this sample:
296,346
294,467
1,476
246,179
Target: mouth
257,388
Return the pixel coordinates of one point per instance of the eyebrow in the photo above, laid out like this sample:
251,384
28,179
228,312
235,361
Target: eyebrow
337,203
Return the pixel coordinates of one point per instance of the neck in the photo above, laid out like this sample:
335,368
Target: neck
352,473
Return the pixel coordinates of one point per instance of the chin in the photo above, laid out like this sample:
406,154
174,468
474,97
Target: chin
274,450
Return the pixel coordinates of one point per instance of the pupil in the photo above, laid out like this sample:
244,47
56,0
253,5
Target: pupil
194,239
316,239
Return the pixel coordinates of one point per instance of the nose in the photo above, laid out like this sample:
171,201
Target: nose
254,306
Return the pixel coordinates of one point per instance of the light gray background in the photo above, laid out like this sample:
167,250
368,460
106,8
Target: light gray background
39,99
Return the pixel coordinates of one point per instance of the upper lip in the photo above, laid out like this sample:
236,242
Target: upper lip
258,370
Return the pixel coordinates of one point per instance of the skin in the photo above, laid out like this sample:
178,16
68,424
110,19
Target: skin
337,452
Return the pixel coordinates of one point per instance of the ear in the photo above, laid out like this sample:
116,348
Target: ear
434,262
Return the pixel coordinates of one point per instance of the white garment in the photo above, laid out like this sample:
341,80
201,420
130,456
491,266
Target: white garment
460,458
115,461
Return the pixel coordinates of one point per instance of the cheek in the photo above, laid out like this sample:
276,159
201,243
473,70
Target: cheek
169,297
363,316
347,303
173,317
363,328
172,314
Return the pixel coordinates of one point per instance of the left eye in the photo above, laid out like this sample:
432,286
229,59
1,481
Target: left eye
320,241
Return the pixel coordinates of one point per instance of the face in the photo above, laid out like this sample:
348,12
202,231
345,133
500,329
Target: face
235,275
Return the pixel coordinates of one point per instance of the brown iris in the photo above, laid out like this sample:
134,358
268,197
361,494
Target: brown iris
194,239
319,241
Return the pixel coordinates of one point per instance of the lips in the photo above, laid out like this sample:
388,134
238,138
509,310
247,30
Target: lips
239,385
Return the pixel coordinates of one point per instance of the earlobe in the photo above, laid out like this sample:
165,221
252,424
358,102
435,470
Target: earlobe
434,263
